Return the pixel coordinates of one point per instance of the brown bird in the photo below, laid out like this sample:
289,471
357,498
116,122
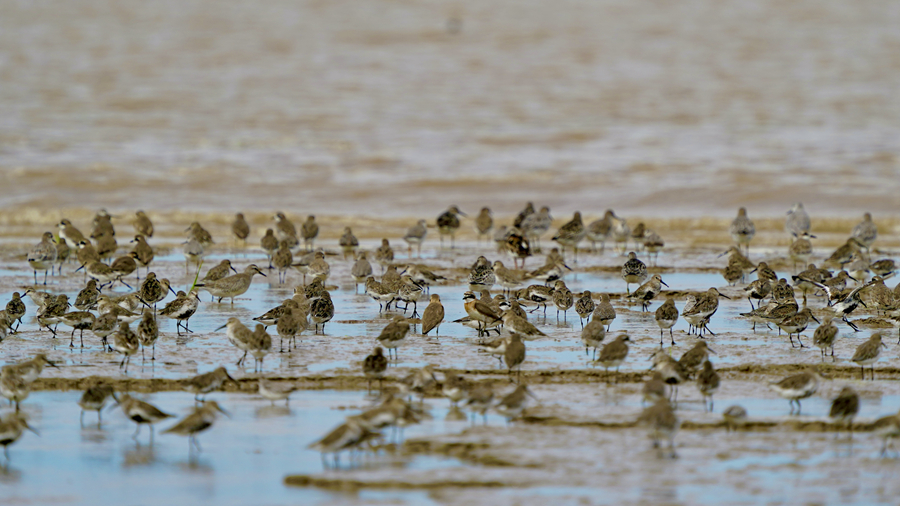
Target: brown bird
514,355
374,367
613,354
844,407
433,315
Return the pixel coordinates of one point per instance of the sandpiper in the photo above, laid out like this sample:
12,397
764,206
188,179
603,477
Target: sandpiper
148,333
867,353
384,255
78,320
141,413
42,256
240,229
519,325
653,244
378,292
11,428
409,292
484,222
614,354
562,298
283,226
797,221
238,335
648,291
348,243
844,407
801,249
181,309
282,260
516,246
634,271
416,236
142,224
233,285
666,317
671,371
797,387
196,232
535,225
759,289
825,335
309,230
455,388
481,275
513,404
660,418
321,311
605,313
448,224
742,230
393,335
94,399
291,322
374,367
592,336
584,306
319,268
269,244
276,391
125,342
600,230
361,270
888,427
734,416
514,355
570,234
14,388
15,308
694,358
796,324
699,315
259,345
865,231
653,389
201,419
708,383
480,398
208,382
104,325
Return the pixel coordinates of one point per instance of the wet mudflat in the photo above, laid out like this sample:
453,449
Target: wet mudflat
565,446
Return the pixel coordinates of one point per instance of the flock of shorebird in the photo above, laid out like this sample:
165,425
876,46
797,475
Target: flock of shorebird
108,315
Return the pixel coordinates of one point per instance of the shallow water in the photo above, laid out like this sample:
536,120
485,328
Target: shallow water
244,458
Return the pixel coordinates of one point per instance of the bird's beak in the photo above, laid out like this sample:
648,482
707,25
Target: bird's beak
663,282
223,412
814,318
462,213
173,291
723,295
232,380
754,270
812,236
711,350
51,364
220,328
722,254
531,394
30,428
233,269
851,277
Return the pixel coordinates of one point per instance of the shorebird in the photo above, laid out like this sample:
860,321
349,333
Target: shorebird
759,289
384,255
240,229
700,313
480,398
507,278
42,256
484,222
734,416
94,399
653,389
78,320
416,236
454,387
708,383
825,335
11,428
377,291
570,234
208,382
653,244
393,335
233,285
519,325
448,224
514,355
660,418
309,230
867,353
348,243
865,232
695,357
15,309
141,413
125,342
321,311
374,367
634,271
592,335
148,333
797,221
238,335
648,291
535,225
142,224
346,436
181,309
801,249
605,313
480,312
409,292
742,230
291,322
481,274
433,315
259,345
613,354
201,419
70,234
797,387
282,260
269,244
600,230
361,270
513,404
562,298
844,407
666,317
585,306
196,232
888,427
276,391
796,324
671,371
14,388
